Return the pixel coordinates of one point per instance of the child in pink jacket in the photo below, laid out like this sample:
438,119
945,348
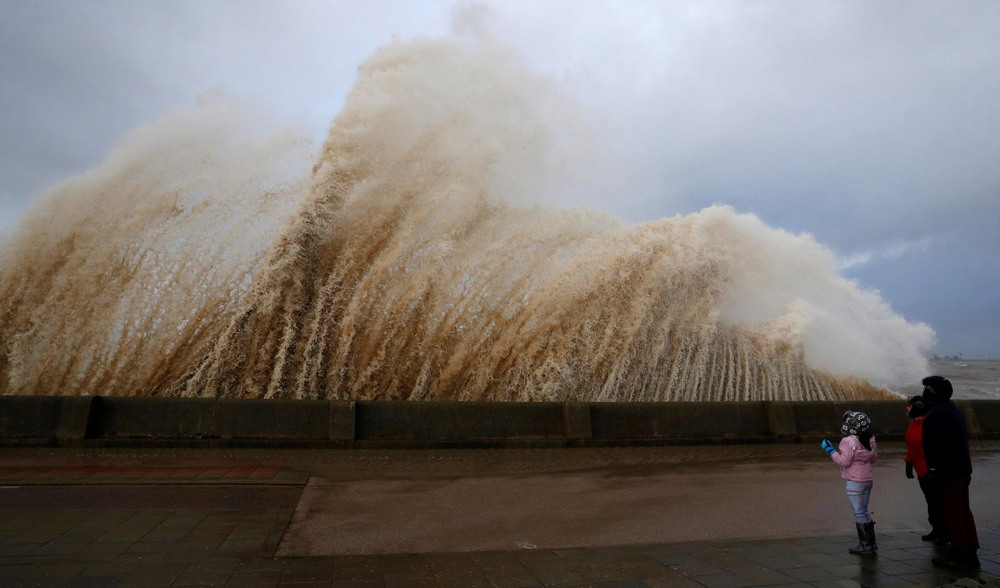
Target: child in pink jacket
855,456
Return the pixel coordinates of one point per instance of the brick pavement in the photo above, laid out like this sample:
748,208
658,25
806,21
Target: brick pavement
203,519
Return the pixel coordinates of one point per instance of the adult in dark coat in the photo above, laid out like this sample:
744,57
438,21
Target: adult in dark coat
949,467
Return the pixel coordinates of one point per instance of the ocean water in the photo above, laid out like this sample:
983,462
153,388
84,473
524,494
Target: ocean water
414,256
971,379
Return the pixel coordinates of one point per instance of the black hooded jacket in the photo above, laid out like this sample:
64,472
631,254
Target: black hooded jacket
946,441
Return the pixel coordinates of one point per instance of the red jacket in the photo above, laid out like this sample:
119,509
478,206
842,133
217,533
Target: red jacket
915,446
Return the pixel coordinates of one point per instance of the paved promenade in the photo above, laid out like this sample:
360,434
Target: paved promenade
740,515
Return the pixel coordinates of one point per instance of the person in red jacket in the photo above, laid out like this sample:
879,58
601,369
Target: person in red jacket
916,462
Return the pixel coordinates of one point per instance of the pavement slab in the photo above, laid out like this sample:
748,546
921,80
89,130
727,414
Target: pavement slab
761,515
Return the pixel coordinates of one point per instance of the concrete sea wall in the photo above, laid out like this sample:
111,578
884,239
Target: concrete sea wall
76,421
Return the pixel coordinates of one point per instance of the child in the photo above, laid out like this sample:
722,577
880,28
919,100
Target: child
855,456
915,462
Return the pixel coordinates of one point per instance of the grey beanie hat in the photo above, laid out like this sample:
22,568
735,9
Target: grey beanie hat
856,423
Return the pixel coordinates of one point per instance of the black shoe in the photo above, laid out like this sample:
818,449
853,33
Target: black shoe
935,536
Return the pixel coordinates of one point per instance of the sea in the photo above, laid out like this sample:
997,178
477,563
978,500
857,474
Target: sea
971,379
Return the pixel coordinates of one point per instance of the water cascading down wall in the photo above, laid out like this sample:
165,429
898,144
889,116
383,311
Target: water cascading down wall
413,262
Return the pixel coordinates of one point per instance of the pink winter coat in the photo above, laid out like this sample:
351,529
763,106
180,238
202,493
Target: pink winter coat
854,460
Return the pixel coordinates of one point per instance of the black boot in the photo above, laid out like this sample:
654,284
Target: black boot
866,539
937,536
870,534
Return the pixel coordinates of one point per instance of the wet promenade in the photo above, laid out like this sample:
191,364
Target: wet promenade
739,515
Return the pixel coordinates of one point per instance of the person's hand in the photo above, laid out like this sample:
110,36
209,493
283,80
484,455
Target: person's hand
909,471
931,476
828,447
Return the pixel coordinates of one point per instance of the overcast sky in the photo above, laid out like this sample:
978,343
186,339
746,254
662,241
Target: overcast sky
874,126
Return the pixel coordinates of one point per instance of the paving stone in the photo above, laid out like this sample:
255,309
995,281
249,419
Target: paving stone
358,573
608,574
21,546
191,549
59,570
415,582
206,574
10,571
150,544
555,573
837,583
256,578
808,574
112,569
391,572
699,568
470,580
293,575
679,582
59,548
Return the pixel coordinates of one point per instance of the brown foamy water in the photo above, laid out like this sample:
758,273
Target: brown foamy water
205,259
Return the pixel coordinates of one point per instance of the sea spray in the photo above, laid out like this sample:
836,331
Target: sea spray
118,280
411,266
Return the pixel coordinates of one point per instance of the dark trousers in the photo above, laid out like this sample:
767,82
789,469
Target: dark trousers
935,514
958,516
